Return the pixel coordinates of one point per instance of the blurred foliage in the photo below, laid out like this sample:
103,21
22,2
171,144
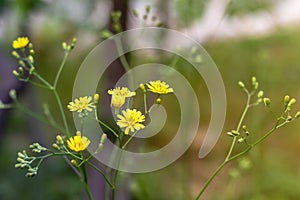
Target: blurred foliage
240,7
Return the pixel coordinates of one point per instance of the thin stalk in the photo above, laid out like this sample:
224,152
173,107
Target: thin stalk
60,68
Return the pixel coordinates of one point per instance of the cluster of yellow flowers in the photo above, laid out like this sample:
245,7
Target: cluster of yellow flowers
130,119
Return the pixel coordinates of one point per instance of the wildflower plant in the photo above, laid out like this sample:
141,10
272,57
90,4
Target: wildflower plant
68,145
77,147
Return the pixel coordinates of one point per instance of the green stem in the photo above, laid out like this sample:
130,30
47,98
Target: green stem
60,68
98,170
61,111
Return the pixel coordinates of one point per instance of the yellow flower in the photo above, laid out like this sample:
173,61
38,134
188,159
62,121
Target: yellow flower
78,143
20,42
119,95
131,120
159,87
83,103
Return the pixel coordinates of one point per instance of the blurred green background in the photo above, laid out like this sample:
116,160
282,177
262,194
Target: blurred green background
272,57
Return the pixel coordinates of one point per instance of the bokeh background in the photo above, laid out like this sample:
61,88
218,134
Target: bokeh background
245,38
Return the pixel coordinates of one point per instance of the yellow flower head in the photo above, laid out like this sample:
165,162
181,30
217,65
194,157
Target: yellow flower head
159,87
81,104
119,95
78,143
20,42
131,120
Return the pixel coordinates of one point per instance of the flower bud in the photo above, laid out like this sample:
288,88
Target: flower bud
267,102
59,139
74,162
13,94
260,94
31,59
240,140
15,73
15,54
21,155
96,98
286,99
241,84
21,62
64,46
147,8
103,138
135,12
297,115
78,133
74,40
55,146
254,81
31,52
21,70
143,88
158,101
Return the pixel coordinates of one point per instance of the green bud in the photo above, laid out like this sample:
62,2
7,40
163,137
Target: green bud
145,17
30,46
241,84
21,70
21,160
254,81
297,115
31,52
55,146
59,139
74,40
105,34
15,73
103,138
230,134
260,94
2,105
31,59
286,99
158,101
159,24
74,162
198,59
18,165
13,94
244,127
148,8
32,69
100,147
15,54
96,98
64,46
135,12
289,118
267,102
233,133
20,155
78,133
240,140
21,62
143,88
292,102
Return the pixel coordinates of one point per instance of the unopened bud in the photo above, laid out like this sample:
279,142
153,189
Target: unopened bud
30,46
241,84
96,98
147,8
267,102
260,94
292,102
158,101
135,12
297,115
64,46
21,62
59,139
254,81
13,94
240,140
74,40
15,73
143,88
286,99
21,70
15,54
31,52
74,162
31,59
103,138
78,133
32,69
55,146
